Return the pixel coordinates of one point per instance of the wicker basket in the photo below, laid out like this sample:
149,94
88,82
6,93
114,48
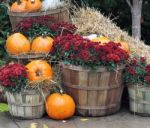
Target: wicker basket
59,14
96,93
29,104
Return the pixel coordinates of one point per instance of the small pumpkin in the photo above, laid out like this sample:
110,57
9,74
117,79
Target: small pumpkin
17,43
34,5
124,45
42,44
39,70
101,39
19,6
60,106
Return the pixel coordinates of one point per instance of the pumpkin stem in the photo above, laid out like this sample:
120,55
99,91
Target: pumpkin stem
18,2
32,1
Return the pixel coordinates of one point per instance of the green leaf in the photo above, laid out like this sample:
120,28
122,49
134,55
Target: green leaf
3,107
2,41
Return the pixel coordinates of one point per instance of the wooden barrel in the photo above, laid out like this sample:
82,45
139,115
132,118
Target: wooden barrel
96,92
29,104
139,97
59,14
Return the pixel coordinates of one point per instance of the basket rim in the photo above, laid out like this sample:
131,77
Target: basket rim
30,56
80,68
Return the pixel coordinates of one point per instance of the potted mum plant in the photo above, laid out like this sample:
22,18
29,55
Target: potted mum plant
23,102
137,77
91,73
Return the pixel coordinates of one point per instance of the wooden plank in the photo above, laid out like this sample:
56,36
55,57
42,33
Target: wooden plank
92,94
82,94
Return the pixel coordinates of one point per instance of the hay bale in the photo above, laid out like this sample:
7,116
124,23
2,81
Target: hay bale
91,21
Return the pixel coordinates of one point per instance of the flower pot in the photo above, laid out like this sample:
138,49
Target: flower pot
139,97
96,92
59,14
29,104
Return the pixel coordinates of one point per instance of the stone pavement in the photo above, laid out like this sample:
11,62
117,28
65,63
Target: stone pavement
123,119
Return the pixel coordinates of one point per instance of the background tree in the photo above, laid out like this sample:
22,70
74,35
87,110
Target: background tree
136,11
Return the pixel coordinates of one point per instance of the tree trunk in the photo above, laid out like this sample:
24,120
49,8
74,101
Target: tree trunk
136,10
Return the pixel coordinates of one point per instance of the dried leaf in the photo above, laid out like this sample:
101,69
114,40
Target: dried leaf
45,126
84,119
33,125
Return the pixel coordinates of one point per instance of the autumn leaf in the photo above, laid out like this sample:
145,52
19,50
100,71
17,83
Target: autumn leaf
45,126
33,125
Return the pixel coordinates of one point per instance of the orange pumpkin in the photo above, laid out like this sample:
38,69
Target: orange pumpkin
42,44
101,39
39,70
125,46
34,5
60,106
17,44
19,6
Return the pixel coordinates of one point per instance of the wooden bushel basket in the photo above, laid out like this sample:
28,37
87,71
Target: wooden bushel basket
59,14
139,97
29,104
96,92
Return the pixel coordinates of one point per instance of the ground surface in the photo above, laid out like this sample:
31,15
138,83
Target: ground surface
123,119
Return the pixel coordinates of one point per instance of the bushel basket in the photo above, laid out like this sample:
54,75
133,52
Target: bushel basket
96,92
29,104
139,97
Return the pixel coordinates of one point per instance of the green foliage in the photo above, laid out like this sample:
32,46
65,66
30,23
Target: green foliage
5,28
38,30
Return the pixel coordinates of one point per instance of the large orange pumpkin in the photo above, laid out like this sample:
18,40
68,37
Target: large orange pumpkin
34,5
42,44
60,106
19,6
39,70
17,44
101,39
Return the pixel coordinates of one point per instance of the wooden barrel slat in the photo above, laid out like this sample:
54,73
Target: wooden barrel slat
27,105
94,88
83,76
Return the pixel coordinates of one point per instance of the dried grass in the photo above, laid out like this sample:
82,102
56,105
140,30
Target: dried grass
91,21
